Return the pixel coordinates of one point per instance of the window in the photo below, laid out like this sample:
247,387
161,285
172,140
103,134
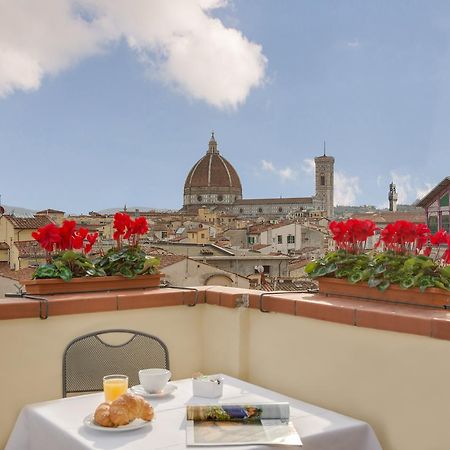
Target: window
433,224
280,239
251,240
163,234
322,180
199,198
280,209
445,222
444,200
241,210
266,269
202,235
291,239
260,210
220,198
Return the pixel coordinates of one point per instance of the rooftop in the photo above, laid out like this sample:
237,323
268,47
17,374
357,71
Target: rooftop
29,249
273,201
28,223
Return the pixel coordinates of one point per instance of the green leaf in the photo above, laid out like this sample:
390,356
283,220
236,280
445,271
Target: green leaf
384,285
46,271
407,283
355,277
374,282
440,284
331,268
126,272
342,273
310,267
320,272
65,273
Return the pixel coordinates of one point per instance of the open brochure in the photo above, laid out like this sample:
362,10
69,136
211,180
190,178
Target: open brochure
240,424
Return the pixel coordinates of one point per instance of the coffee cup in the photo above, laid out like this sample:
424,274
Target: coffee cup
154,380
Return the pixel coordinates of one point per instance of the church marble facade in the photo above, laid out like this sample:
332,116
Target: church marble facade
214,183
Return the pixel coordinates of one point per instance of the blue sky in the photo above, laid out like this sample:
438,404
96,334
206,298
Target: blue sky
101,107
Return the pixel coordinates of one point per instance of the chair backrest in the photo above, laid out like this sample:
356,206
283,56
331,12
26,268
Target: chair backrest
88,358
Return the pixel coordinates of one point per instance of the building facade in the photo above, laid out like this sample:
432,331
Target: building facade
437,206
214,183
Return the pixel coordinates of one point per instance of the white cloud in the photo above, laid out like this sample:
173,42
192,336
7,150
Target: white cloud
308,166
284,174
354,44
421,192
409,190
267,166
287,174
346,189
178,41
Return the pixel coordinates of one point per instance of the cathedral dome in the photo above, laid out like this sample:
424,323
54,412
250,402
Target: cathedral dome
212,180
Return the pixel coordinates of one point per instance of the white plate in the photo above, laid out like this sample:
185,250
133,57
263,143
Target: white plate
134,425
139,390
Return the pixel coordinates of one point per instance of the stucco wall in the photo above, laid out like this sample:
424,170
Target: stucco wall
396,382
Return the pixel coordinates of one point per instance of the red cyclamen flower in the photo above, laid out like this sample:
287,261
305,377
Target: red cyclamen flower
91,238
47,236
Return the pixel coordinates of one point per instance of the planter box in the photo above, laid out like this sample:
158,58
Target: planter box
342,288
90,284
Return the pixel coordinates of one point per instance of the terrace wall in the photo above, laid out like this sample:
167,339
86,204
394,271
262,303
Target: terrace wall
395,381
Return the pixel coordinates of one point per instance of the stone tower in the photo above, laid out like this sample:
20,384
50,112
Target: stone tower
393,197
325,182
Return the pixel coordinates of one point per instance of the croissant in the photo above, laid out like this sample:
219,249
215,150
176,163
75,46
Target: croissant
123,410
101,415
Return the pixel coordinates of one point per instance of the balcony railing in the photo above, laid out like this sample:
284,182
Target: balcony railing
387,365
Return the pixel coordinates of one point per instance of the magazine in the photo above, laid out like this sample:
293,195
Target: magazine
240,424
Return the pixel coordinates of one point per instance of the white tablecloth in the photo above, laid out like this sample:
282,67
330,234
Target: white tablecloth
58,424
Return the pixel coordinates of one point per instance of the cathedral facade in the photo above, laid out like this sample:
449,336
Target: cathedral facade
214,183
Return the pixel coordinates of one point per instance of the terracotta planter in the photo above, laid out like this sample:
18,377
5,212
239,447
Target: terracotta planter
342,288
90,284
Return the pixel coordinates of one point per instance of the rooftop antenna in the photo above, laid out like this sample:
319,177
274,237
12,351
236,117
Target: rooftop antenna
324,148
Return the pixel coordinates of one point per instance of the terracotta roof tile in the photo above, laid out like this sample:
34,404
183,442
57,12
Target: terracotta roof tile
29,249
390,216
259,246
28,223
50,211
213,171
273,201
305,285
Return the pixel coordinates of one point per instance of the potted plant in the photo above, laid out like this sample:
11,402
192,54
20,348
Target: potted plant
69,268
408,263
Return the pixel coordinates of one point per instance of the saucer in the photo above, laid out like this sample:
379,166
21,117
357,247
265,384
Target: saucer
139,390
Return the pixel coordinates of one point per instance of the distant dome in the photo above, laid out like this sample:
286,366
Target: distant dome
212,180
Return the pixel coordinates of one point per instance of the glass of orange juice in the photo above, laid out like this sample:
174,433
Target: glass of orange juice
114,386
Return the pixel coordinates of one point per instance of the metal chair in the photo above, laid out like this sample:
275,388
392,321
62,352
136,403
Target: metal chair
88,358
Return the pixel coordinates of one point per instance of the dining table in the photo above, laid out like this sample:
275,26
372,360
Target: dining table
61,424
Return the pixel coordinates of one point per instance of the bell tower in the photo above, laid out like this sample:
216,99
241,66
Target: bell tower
325,182
393,197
